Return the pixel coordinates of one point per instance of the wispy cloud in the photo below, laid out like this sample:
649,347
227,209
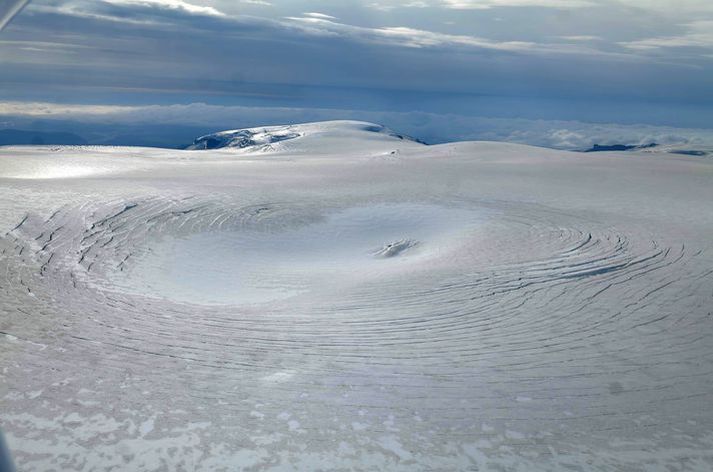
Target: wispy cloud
321,25
480,4
485,4
57,110
679,6
582,37
171,5
320,16
401,35
698,34
129,10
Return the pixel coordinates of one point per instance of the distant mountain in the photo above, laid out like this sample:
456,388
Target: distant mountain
689,152
272,138
17,136
619,147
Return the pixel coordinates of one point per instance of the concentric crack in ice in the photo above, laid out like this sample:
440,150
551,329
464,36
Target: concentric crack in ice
251,263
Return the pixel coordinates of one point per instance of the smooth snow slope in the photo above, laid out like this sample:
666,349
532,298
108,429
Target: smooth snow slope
348,299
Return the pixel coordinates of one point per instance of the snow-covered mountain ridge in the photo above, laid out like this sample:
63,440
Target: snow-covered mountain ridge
285,137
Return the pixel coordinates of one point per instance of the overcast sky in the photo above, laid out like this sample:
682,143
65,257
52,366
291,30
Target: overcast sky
627,61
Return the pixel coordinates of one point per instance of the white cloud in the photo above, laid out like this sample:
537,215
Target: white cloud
320,16
582,37
56,110
661,6
484,4
699,34
480,4
419,38
402,36
670,6
171,5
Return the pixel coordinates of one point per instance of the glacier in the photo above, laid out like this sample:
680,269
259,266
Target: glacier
336,296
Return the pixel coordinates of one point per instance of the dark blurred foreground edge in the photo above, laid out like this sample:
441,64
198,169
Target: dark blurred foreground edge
5,460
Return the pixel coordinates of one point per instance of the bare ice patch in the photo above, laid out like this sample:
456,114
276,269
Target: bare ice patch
396,248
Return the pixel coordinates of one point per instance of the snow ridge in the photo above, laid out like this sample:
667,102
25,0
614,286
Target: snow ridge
265,138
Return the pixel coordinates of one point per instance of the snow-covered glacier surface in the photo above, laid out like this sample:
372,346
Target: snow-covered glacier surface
346,298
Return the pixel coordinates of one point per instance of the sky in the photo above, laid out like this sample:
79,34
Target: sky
446,69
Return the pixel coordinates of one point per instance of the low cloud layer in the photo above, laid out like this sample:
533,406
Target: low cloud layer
179,120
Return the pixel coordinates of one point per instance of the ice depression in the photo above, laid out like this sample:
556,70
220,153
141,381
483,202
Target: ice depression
335,295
